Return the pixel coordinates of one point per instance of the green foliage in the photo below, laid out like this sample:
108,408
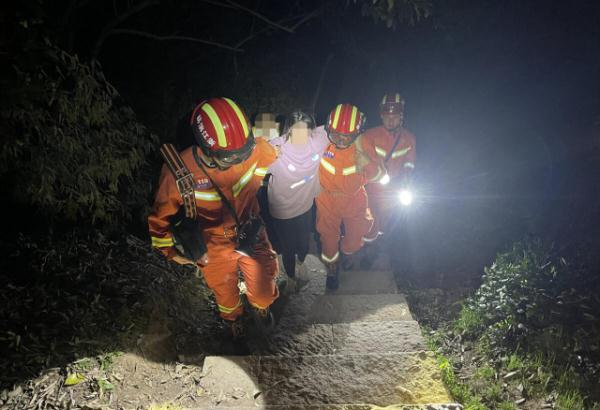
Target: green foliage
469,320
396,12
534,316
528,296
72,149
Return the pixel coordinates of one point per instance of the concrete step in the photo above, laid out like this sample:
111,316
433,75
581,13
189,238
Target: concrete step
359,308
359,282
346,338
375,379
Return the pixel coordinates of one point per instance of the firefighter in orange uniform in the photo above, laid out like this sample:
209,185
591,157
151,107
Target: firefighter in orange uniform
228,156
345,169
395,147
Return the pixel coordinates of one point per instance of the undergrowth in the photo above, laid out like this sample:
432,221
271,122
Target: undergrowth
527,337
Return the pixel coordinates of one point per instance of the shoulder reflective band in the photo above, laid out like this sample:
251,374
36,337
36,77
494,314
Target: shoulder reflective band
332,259
328,166
380,151
400,152
162,242
349,170
207,195
261,172
409,165
237,188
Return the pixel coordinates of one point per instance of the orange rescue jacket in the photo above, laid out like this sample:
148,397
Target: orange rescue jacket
239,184
402,159
342,172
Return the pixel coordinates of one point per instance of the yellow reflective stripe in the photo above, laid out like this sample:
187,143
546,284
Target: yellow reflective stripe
336,116
380,170
353,119
237,188
214,118
207,196
225,309
162,242
397,97
380,151
328,166
349,170
261,172
400,152
409,165
241,117
330,260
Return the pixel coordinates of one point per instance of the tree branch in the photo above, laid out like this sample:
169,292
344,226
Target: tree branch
175,38
106,31
303,20
260,16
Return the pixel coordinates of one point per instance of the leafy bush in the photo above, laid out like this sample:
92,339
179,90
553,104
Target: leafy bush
71,147
528,290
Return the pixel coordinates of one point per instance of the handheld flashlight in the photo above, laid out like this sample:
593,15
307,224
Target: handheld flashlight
405,197
384,179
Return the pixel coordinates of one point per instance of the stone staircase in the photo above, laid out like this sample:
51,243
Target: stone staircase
358,348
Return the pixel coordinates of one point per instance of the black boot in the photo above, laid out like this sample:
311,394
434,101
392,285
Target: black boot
347,261
332,282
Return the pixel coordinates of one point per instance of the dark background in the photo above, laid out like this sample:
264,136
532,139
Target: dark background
504,97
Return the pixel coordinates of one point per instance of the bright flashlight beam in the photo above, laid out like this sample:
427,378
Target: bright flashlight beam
405,197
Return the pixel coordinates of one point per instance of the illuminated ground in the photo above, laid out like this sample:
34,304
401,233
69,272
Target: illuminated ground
342,350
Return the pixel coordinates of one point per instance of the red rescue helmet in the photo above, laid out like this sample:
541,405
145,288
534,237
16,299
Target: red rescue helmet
222,130
344,125
391,103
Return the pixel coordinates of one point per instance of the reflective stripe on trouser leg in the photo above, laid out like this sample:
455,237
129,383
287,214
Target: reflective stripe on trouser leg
221,276
259,274
329,219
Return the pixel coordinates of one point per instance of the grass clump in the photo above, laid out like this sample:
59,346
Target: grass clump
532,325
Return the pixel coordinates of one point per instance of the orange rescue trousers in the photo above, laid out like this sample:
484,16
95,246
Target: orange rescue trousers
382,202
335,209
258,271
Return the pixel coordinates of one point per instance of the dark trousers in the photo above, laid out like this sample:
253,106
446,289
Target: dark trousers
293,236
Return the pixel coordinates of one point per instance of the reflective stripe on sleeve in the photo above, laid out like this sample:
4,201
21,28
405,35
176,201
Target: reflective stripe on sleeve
162,242
400,152
349,170
237,188
207,195
380,151
261,172
330,168
409,165
380,173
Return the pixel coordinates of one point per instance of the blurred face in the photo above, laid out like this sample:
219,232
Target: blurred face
299,133
392,122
